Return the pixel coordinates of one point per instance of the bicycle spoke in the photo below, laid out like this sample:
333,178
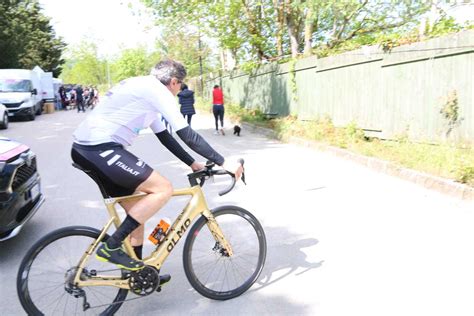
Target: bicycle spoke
237,271
225,277
43,288
46,294
57,302
64,296
95,295
65,305
53,260
75,309
244,261
46,271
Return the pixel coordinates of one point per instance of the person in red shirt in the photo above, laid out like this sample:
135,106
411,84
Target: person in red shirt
218,108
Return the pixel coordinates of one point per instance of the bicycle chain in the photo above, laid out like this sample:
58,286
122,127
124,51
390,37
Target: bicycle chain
118,302
122,301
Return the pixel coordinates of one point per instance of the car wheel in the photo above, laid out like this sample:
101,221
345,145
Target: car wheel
32,116
39,110
4,122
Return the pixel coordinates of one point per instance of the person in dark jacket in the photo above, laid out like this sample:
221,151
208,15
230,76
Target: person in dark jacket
80,99
186,100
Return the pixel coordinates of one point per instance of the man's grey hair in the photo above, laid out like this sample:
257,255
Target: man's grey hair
165,70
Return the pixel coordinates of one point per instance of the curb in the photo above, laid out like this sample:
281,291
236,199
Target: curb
442,185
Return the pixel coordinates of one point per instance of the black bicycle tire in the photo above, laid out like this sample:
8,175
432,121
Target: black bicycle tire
22,283
187,252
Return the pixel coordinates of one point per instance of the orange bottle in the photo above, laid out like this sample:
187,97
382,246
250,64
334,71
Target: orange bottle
160,231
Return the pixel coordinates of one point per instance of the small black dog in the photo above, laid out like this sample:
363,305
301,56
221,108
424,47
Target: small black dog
237,130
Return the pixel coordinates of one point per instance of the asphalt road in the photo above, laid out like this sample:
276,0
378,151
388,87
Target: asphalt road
342,239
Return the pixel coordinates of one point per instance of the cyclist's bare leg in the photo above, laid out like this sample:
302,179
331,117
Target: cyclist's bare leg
136,237
159,191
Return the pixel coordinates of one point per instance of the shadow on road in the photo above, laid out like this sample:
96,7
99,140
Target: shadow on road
285,259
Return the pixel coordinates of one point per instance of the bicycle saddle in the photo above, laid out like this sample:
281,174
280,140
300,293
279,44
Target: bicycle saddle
94,177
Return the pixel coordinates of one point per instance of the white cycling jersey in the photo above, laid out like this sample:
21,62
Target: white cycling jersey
132,105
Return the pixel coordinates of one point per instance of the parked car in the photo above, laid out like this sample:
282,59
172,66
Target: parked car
3,117
20,187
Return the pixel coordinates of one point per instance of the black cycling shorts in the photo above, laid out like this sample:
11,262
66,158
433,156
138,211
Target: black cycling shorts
119,170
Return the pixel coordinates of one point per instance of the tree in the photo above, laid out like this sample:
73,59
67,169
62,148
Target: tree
133,62
351,19
184,47
27,38
266,29
84,66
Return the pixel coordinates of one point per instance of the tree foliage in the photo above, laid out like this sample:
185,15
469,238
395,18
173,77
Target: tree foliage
84,66
133,62
27,38
187,48
264,30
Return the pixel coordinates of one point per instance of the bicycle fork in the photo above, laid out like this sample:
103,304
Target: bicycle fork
218,235
198,205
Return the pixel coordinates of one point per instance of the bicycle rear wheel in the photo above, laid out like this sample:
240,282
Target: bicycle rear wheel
209,270
44,282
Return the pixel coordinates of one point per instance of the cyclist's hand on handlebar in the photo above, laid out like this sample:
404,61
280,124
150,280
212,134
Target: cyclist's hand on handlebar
196,166
235,167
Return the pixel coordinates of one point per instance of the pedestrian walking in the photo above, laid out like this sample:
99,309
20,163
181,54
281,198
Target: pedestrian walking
218,108
90,103
80,99
63,98
186,100
72,98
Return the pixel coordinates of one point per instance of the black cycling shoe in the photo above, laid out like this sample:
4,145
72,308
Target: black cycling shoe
118,257
164,278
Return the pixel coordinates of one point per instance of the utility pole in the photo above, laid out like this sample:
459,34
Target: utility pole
200,62
108,73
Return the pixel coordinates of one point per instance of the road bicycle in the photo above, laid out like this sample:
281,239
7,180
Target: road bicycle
60,274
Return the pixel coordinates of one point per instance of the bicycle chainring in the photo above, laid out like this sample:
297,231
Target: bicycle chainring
145,281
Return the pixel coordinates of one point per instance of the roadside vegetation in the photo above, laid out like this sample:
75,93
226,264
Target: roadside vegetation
247,34
452,161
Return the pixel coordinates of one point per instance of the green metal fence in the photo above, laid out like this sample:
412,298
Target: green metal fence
388,94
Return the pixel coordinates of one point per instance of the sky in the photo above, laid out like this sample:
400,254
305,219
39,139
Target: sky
109,23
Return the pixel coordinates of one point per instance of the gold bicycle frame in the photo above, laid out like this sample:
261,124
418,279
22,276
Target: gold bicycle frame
197,205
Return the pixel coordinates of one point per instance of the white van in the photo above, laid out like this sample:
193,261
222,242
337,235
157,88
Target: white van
46,83
47,86
20,92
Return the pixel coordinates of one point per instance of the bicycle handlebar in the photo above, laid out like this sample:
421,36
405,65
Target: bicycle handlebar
208,172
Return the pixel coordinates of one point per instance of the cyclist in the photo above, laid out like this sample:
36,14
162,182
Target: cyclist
132,105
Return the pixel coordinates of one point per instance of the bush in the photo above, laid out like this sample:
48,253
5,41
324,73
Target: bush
464,173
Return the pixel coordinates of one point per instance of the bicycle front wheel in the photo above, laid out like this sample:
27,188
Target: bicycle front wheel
45,278
210,271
